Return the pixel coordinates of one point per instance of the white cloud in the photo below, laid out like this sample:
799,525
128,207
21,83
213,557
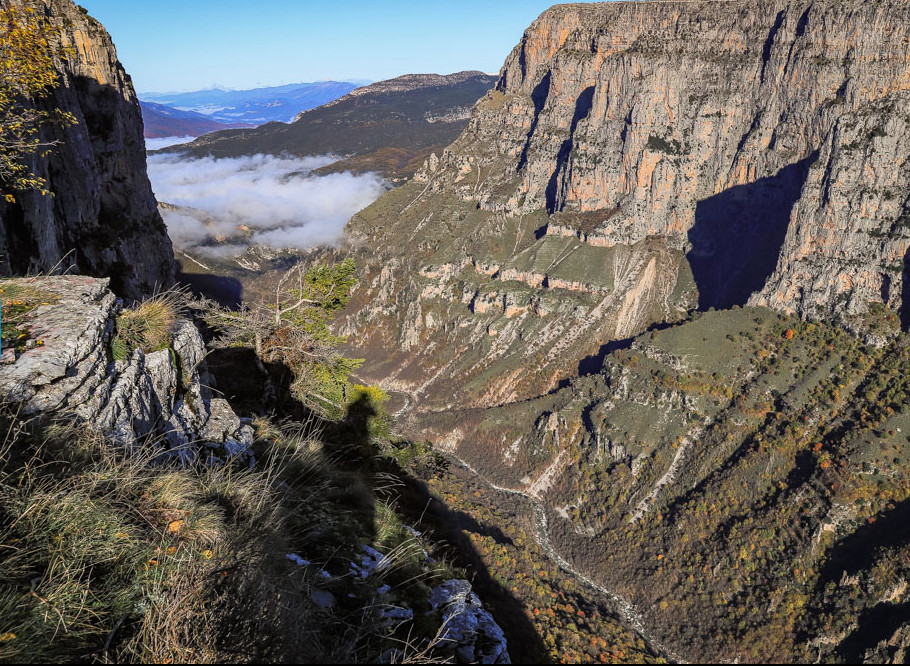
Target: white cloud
278,198
158,144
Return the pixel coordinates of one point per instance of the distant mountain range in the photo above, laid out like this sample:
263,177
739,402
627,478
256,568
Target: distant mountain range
164,121
257,106
390,126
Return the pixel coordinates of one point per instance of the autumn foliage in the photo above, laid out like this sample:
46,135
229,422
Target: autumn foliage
29,47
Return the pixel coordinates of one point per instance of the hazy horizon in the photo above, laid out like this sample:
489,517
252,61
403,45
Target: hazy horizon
171,46
357,82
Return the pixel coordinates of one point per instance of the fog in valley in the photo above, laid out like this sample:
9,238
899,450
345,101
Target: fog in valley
222,206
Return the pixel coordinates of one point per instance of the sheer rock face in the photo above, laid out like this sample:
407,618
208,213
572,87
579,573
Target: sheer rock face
163,394
699,122
636,160
103,218
847,243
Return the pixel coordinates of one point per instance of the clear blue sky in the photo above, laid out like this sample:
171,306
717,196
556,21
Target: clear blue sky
177,45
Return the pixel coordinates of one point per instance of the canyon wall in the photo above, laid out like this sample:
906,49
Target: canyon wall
704,123
539,304
635,161
102,218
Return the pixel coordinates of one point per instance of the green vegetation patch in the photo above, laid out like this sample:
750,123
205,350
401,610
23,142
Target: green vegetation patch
588,265
793,472
149,326
540,256
660,145
716,342
16,301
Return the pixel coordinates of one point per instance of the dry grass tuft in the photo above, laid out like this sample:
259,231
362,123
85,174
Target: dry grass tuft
149,326
112,556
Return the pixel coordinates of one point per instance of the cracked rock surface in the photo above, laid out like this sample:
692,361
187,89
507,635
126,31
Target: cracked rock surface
163,394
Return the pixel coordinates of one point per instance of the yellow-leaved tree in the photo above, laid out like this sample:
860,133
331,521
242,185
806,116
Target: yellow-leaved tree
29,46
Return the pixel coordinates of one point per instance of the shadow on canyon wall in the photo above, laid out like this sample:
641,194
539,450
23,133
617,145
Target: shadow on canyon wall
539,97
583,106
738,235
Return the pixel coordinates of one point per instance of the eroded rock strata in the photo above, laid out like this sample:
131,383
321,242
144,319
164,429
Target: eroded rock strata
634,161
738,476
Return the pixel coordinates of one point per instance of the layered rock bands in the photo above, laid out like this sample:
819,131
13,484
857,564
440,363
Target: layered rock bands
636,160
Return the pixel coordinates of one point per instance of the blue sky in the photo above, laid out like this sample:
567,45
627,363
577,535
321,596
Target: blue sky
177,45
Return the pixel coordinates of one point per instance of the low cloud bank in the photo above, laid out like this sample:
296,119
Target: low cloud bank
165,142
260,199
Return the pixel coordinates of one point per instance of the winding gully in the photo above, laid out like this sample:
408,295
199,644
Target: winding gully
621,606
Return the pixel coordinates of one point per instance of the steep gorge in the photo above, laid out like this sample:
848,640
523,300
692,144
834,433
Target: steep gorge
633,162
539,296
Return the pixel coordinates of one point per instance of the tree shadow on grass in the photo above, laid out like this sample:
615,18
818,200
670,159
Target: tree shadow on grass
857,553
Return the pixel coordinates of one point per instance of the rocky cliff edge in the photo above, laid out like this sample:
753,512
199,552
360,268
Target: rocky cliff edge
68,370
102,219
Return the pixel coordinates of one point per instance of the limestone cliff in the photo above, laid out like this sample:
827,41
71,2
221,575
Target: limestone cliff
699,122
636,160
735,481
102,219
164,394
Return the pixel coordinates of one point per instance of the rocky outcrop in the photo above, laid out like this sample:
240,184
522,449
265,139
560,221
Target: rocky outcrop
468,630
102,219
162,395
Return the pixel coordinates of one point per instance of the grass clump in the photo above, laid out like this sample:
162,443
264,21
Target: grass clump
148,327
109,555
114,555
